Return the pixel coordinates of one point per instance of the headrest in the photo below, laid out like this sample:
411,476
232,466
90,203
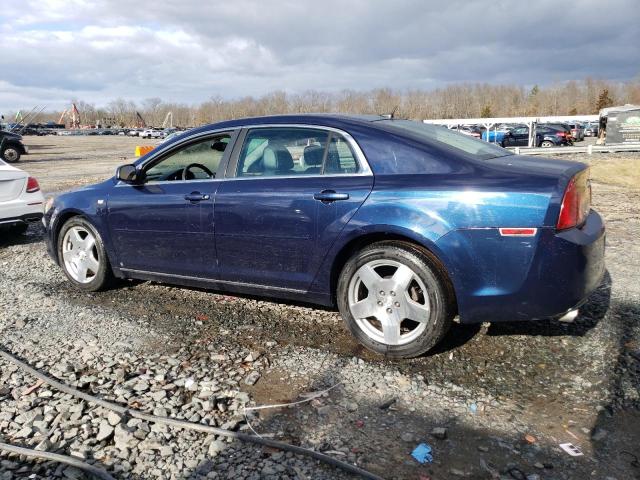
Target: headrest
277,158
312,155
218,146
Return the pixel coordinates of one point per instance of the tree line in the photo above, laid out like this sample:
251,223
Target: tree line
454,101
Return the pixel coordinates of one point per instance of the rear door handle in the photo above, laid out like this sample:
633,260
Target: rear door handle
196,197
327,196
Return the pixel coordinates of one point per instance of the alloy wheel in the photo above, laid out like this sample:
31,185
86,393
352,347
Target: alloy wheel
80,254
389,302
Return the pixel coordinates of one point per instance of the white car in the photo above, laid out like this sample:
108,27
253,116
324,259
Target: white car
21,201
152,133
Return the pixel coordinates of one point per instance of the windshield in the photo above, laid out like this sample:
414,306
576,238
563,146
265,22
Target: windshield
451,138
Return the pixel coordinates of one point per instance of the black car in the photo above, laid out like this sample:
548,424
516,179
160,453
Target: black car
11,147
546,136
565,127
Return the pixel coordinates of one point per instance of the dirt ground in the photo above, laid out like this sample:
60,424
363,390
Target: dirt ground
508,393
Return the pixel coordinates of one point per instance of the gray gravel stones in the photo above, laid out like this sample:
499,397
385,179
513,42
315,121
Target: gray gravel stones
439,432
252,378
113,418
105,431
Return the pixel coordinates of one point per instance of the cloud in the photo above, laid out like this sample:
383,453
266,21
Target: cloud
187,51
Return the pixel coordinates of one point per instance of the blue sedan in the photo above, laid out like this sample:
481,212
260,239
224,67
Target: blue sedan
403,226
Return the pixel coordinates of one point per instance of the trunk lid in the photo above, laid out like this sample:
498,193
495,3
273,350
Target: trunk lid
555,171
12,182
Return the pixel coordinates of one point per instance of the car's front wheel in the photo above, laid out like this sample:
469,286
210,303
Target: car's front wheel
10,154
83,256
394,299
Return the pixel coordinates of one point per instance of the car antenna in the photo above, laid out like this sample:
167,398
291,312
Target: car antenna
392,115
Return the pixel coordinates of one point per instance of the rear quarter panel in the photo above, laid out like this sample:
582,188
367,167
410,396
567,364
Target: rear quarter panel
457,215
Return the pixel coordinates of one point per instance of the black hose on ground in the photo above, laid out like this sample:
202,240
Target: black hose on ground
347,467
54,457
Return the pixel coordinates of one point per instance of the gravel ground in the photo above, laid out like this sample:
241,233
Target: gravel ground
493,401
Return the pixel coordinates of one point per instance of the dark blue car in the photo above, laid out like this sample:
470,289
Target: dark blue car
400,225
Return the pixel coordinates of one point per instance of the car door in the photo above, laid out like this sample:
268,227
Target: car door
165,224
289,193
520,137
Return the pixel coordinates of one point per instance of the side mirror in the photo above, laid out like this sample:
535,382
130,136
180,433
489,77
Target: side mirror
127,174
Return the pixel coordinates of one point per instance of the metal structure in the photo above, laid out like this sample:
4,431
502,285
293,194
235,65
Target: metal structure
73,114
531,122
168,120
26,119
140,123
588,149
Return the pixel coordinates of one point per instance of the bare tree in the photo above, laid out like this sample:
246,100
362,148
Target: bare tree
452,101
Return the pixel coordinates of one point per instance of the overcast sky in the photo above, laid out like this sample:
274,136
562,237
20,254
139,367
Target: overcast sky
190,50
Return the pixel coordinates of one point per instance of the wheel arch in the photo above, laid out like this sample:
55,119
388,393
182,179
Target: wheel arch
411,240
12,144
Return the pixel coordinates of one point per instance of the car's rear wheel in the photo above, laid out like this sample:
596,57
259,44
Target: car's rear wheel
10,154
394,299
546,144
83,256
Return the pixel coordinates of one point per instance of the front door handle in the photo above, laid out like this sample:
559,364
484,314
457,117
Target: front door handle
328,196
196,197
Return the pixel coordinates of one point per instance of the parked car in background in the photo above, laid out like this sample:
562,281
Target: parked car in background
152,133
470,130
494,136
135,132
401,225
577,131
21,201
171,135
560,126
591,129
546,136
11,146
33,131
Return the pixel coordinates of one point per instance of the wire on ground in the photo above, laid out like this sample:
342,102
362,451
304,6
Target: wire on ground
54,457
126,411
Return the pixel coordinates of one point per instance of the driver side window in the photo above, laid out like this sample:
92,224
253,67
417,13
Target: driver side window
196,161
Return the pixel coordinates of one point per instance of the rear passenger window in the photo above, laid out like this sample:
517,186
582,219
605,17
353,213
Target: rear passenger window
287,151
340,158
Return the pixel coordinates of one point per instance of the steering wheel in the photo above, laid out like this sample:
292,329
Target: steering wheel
185,170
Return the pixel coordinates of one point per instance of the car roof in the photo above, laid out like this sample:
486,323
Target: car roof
325,119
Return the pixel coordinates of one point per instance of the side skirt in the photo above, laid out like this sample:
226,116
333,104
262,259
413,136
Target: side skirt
264,291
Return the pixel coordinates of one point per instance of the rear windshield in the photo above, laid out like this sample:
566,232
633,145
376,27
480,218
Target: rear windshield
451,138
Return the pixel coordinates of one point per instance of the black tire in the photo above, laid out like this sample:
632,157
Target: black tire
103,278
11,154
430,272
547,144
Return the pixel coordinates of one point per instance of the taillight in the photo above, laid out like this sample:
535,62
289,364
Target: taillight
32,185
576,202
560,134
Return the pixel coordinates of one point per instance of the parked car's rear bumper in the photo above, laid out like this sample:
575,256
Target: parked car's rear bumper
24,209
522,279
21,220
